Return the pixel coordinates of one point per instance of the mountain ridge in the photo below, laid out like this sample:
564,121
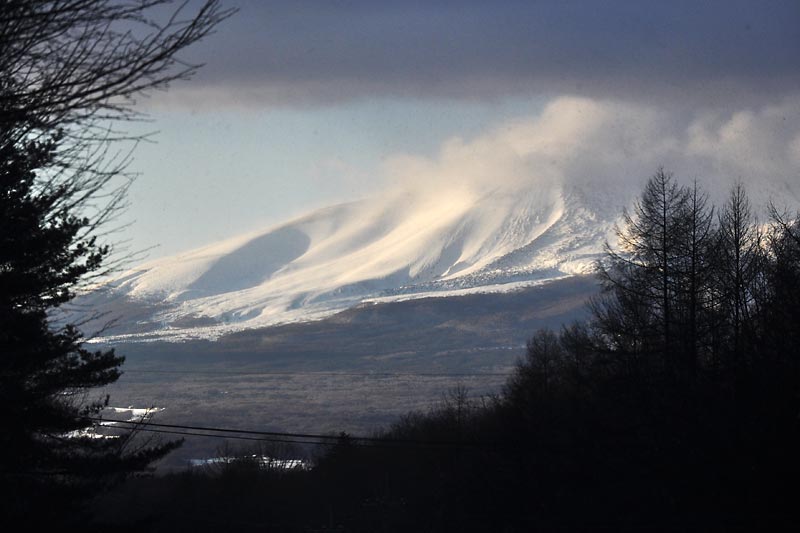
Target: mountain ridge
400,246
403,244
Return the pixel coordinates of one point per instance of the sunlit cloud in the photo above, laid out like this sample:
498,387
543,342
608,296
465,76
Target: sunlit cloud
611,147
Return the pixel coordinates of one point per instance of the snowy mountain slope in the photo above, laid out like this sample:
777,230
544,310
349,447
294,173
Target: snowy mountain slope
397,248
531,201
402,246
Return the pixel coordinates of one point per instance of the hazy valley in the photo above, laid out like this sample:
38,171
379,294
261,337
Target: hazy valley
354,371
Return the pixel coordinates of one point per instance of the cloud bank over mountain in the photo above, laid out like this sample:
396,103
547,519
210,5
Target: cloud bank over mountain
613,146
297,98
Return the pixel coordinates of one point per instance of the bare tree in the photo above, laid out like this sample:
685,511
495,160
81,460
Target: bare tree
739,274
697,248
70,71
641,278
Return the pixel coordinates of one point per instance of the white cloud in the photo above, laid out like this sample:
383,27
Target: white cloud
610,148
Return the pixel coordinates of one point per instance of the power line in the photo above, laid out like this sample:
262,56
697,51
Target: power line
310,438
288,441
233,437
320,373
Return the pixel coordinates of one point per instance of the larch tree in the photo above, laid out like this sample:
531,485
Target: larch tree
641,276
697,248
739,275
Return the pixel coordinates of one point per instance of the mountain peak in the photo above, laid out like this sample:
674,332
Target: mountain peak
398,246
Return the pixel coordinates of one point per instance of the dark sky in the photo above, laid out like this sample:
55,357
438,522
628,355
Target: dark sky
302,52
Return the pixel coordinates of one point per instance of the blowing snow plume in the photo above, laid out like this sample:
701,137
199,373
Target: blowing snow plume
530,201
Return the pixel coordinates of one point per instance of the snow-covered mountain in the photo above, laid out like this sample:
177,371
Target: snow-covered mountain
531,201
400,246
